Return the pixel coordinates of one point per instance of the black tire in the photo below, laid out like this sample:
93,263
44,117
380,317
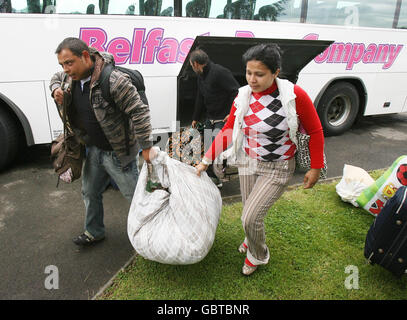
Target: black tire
9,139
338,108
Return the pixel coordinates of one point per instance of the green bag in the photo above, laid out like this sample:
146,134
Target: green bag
374,197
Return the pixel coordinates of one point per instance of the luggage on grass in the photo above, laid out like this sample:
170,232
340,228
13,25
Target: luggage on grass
373,198
386,240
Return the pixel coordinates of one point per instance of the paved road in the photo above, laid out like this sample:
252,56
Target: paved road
38,220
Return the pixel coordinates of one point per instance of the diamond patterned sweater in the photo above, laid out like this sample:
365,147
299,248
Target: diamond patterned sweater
266,132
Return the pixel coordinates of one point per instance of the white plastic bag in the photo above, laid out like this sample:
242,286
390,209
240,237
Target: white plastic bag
177,224
352,184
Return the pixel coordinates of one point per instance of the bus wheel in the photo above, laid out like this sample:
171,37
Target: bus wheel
338,108
9,138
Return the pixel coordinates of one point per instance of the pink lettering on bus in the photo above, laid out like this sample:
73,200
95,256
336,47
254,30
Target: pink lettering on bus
169,51
151,43
144,48
149,47
120,49
184,48
354,53
94,37
244,34
138,39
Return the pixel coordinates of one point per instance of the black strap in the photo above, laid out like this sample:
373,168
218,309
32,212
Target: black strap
105,83
105,87
64,103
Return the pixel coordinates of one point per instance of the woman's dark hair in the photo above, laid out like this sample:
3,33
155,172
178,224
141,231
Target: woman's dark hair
199,56
267,53
77,46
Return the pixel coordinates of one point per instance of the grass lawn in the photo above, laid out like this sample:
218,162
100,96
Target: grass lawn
312,236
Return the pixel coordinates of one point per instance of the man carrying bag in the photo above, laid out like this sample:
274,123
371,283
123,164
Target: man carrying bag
112,134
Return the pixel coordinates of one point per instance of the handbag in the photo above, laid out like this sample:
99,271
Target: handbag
67,153
67,156
302,156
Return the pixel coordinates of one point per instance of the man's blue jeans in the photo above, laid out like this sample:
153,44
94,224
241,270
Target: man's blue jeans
99,168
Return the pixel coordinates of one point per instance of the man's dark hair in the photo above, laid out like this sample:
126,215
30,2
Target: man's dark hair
267,53
199,56
77,46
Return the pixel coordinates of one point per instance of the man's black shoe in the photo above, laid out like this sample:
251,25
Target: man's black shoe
84,240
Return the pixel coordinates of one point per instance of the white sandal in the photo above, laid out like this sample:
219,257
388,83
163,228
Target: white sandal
248,268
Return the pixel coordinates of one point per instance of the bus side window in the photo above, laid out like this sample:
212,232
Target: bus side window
281,10
378,15
27,6
402,21
198,8
34,6
241,9
351,14
169,12
5,6
90,9
267,13
131,10
154,8
73,7
321,12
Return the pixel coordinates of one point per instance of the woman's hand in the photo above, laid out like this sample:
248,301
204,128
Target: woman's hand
311,178
200,167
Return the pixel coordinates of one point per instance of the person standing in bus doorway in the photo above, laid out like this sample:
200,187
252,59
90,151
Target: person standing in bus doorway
111,152
216,90
262,127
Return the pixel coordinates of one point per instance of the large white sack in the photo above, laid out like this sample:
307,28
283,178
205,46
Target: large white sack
177,226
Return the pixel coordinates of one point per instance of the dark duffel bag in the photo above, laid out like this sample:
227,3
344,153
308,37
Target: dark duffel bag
386,240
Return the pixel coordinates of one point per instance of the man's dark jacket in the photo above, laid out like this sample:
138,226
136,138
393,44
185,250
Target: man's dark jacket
217,88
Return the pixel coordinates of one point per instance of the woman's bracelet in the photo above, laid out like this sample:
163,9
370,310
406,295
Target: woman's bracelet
206,163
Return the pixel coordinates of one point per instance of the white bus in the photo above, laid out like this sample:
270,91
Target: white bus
363,72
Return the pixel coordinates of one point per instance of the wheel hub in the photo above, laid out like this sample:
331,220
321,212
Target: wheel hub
339,110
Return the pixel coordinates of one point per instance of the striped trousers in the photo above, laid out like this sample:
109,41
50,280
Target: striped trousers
261,184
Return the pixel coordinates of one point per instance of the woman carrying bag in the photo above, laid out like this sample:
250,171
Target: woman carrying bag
261,132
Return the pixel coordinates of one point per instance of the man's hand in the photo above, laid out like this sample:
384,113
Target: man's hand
149,154
226,118
194,122
58,96
311,178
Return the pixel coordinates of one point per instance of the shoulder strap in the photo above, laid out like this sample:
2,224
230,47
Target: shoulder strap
105,83
105,87
64,106
135,76
137,80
